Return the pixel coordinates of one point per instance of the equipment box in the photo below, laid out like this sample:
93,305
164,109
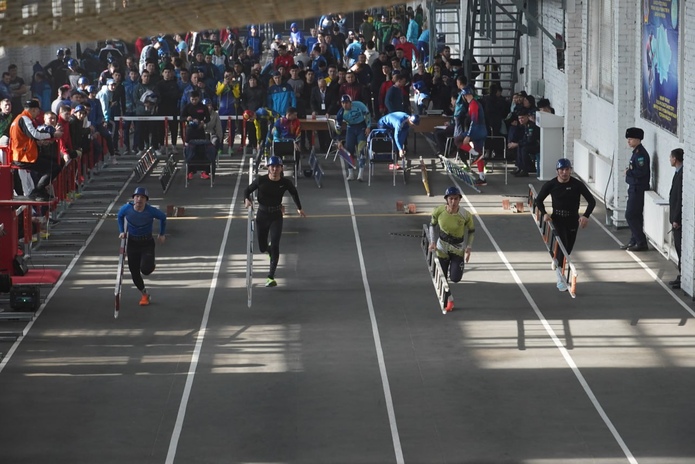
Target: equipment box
25,298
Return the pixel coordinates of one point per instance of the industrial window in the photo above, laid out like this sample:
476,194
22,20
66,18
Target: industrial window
599,75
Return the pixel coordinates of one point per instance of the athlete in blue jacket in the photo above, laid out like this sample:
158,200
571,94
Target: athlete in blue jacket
398,124
140,252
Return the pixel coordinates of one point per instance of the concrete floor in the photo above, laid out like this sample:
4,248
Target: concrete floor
349,359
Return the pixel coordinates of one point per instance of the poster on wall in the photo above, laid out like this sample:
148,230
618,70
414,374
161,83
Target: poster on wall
660,59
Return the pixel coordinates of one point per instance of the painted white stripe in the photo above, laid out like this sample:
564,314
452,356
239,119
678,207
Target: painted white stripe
551,333
649,270
63,276
375,330
178,426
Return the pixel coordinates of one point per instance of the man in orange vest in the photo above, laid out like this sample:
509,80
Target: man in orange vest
24,140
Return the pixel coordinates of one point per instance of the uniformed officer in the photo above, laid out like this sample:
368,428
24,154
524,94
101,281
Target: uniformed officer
637,176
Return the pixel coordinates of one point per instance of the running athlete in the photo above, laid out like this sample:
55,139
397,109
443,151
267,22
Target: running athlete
456,233
140,251
356,116
565,192
271,188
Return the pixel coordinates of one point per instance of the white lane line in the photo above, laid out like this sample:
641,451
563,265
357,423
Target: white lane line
63,276
551,333
649,270
375,330
178,426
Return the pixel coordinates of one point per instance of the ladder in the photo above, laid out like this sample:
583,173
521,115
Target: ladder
493,30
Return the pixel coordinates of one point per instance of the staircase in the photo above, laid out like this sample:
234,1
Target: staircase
491,45
447,21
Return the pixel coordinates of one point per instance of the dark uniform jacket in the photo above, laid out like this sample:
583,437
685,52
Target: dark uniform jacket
639,171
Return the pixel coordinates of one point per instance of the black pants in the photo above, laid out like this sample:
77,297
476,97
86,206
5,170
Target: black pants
566,228
677,239
441,135
634,215
140,260
269,225
452,266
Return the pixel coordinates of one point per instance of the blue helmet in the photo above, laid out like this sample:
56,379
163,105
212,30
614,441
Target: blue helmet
142,191
274,161
452,191
563,163
415,119
82,80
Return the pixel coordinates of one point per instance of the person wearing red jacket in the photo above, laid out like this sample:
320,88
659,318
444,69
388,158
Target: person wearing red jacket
284,60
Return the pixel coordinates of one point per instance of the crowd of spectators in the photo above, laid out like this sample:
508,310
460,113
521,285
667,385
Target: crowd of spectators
384,63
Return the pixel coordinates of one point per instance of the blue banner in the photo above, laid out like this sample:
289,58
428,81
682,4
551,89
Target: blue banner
660,59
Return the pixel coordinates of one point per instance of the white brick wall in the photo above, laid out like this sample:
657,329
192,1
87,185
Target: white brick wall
601,123
687,115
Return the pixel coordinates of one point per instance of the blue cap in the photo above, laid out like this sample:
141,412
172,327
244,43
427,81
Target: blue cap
274,161
142,191
415,119
563,163
92,89
80,108
205,101
452,191
345,98
466,91
82,80
110,81
72,63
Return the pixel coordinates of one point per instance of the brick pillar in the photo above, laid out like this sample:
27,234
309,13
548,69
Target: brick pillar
574,69
625,79
687,116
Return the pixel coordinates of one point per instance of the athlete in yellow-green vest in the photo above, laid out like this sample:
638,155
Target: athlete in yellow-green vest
453,244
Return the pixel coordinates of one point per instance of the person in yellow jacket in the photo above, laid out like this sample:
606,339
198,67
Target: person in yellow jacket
24,140
228,92
456,232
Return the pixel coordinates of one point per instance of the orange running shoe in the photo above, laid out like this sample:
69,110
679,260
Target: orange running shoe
145,300
449,305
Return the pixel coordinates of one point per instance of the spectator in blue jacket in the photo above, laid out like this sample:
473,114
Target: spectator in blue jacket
280,95
255,41
296,36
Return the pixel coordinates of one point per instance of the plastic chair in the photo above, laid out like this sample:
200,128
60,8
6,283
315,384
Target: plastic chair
381,150
286,150
199,153
336,138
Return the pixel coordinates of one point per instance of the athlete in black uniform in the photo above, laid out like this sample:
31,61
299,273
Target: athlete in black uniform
565,192
271,188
